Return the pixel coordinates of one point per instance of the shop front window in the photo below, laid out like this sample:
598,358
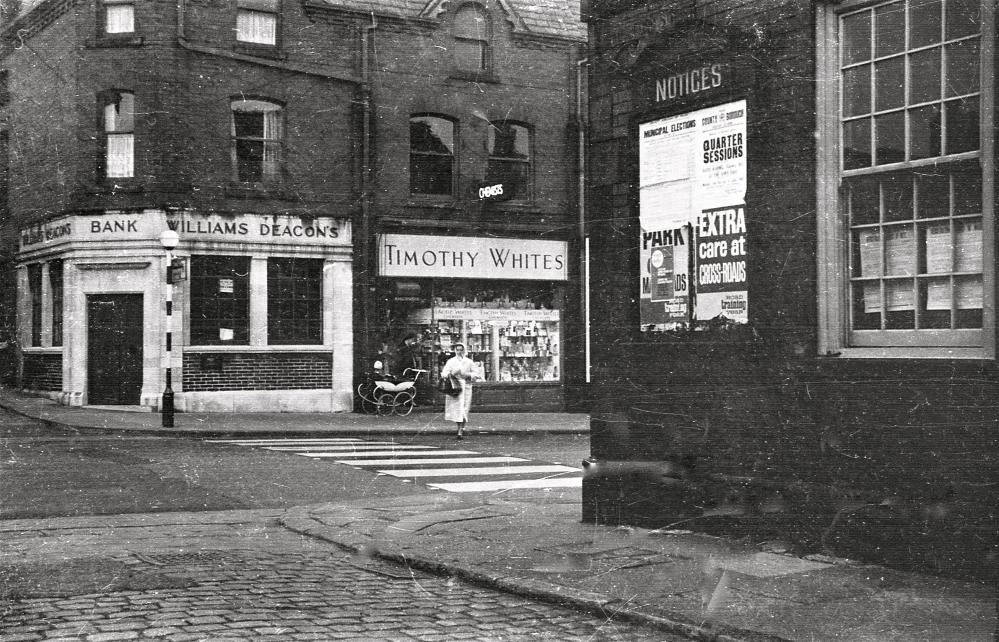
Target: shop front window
220,300
910,207
512,333
294,301
35,293
55,287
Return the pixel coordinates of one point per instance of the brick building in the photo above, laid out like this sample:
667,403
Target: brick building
790,208
281,141
474,190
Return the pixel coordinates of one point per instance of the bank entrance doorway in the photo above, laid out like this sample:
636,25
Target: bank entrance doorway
114,349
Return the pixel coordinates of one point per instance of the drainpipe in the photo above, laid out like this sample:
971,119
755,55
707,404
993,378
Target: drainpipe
584,241
367,299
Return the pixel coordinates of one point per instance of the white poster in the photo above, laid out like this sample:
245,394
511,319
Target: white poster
692,191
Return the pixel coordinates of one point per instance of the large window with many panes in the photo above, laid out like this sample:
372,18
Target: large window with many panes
905,174
220,300
294,301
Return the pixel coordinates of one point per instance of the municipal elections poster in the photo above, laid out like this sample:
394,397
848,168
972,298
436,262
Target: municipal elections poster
692,193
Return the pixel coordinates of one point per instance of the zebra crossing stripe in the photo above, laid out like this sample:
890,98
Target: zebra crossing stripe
471,472
365,463
349,448
278,442
513,484
399,455
391,458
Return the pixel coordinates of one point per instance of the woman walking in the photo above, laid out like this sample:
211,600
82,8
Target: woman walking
463,370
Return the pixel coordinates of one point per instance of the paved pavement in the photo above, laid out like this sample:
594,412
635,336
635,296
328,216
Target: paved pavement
421,421
705,587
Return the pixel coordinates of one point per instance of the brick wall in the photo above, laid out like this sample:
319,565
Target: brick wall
42,372
757,401
182,129
207,372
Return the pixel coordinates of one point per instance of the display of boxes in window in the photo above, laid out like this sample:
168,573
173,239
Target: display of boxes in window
508,344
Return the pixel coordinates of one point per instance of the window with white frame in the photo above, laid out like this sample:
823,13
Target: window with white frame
909,212
119,17
257,142
510,159
118,118
472,32
257,22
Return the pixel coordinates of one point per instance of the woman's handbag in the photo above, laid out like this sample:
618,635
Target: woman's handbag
450,386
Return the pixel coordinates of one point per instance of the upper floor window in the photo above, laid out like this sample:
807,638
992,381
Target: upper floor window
119,17
510,159
472,33
257,21
431,155
119,134
910,207
257,141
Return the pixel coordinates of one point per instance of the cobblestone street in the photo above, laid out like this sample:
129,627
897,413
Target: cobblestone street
242,581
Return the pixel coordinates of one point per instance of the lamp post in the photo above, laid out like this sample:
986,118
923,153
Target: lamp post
169,240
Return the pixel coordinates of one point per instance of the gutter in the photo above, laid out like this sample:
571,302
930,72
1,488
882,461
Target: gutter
581,129
366,188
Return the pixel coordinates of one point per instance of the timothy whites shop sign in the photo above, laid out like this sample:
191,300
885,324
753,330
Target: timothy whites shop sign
471,257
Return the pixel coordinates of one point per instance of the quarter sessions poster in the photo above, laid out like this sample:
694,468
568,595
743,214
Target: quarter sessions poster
692,191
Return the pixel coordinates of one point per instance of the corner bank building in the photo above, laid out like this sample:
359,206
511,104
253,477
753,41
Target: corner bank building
791,229
323,164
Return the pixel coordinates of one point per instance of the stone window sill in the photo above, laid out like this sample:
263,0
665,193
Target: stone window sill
111,42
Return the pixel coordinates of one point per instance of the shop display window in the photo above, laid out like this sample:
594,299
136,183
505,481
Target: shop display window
512,336
220,300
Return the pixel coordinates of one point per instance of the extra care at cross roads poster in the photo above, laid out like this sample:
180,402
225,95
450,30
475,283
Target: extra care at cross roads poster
692,192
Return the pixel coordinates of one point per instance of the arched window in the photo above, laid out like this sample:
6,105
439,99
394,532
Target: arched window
118,120
257,141
472,33
510,159
431,155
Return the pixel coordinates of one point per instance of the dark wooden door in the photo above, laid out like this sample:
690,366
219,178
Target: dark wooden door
114,349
